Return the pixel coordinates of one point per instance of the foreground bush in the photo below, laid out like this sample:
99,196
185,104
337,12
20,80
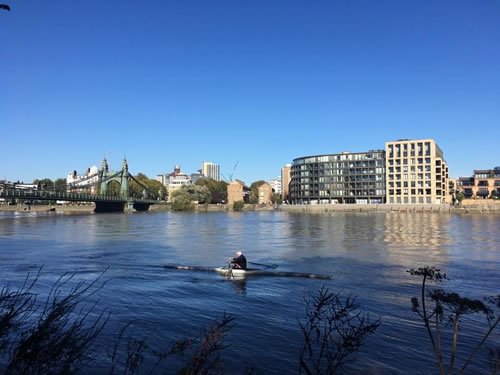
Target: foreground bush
437,305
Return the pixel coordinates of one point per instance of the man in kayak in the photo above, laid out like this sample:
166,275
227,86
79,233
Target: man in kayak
240,262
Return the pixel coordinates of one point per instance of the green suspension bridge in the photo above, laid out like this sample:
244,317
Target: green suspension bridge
78,191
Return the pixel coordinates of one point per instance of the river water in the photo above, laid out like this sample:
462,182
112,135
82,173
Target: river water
366,253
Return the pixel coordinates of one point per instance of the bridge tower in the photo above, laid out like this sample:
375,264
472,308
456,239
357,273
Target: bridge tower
124,180
103,186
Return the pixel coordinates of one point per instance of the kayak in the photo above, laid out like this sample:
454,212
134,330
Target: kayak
239,273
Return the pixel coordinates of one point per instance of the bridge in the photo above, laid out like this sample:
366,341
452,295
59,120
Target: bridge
77,191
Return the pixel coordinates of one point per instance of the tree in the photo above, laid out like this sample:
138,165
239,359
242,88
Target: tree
452,307
60,184
201,194
113,189
154,188
218,189
253,198
276,198
460,196
44,184
181,202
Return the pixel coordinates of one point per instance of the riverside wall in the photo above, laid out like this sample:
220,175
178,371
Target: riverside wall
467,208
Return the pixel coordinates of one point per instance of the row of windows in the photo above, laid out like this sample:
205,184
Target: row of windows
419,147
413,192
326,158
412,184
420,168
341,193
306,180
412,176
410,161
297,187
410,199
357,164
334,172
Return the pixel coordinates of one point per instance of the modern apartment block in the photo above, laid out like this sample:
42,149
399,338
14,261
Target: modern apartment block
482,185
338,178
416,172
210,170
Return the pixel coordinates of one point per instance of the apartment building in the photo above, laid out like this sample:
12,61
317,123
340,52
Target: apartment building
356,178
482,184
210,170
416,172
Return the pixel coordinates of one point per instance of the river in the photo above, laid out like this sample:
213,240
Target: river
366,253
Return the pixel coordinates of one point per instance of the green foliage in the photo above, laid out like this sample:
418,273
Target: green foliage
276,198
60,184
154,189
113,189
460,196
495,195
44,184
255,185
181,202
238,205
201,194
253,197
218,189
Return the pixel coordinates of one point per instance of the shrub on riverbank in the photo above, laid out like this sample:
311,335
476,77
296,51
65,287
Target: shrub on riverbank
238,205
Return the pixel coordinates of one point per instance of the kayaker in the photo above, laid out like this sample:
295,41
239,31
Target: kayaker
240,262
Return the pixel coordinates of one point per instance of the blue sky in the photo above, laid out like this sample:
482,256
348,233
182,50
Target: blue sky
255,82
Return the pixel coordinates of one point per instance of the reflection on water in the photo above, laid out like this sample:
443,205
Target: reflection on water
424,231
367,254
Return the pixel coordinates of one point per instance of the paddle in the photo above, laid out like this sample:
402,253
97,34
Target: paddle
264,265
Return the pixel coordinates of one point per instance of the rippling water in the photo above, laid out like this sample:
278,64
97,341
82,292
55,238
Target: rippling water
367,254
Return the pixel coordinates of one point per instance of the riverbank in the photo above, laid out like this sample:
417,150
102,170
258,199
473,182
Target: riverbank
473,207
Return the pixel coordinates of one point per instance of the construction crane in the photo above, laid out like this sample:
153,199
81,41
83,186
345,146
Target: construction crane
230,179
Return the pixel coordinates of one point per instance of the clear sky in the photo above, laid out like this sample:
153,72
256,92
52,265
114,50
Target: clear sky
256,82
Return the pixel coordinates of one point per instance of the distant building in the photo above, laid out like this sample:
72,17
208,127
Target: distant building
285,181
86,183
416,172
195,176
482,184
210,170
265,192
237,191
356,178
176,179
276,184
162,179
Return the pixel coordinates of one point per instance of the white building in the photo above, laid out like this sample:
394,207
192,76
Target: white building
176,179
86,183
276,184
162,179
210,170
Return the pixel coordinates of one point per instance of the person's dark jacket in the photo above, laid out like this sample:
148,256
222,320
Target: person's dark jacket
241,261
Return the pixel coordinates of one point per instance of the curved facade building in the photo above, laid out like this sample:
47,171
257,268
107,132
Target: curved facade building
339,178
